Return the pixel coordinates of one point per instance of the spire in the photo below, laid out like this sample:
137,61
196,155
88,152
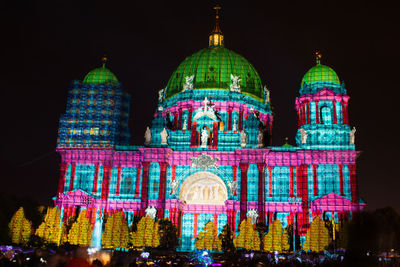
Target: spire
216,38
318,57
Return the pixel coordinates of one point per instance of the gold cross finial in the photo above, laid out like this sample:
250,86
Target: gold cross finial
216,38
217,8
104,60
318,57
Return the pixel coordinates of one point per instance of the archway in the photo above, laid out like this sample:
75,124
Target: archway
203,188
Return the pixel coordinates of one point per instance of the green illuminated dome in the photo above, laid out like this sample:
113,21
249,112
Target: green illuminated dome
320,73
212,68
100,75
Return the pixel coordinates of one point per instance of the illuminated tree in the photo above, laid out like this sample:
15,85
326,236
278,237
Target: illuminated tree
317,238
81,231
248,237
50,230
208,238
20,228
276,239
116,232
146,233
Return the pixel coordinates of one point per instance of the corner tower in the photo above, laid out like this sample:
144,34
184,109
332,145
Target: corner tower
97,112
322,111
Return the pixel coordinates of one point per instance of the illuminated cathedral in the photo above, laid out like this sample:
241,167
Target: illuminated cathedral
208,154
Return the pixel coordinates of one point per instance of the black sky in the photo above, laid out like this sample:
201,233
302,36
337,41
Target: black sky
47,44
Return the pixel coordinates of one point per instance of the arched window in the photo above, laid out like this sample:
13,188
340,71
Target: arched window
326,115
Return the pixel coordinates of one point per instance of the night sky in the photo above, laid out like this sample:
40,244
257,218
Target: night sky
47,44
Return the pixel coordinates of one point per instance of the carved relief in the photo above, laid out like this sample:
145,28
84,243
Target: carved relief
204,188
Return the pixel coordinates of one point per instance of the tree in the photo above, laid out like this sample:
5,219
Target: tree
116,231
51,229
168,234
248,237
145,233
317,237
81,231
208,238
276,239
226,237
20,228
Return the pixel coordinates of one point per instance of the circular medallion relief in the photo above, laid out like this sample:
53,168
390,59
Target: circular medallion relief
203,188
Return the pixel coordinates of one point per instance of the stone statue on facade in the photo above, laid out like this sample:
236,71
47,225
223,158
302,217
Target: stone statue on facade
204,138
234,127
266,95
151,212
147,136
303,136
253,214
260,139
243,139
164,137
184,126
174,187
161,95
235,86
232,187
188,83
353,136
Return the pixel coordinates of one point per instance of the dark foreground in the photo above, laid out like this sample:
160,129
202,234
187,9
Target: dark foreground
81,257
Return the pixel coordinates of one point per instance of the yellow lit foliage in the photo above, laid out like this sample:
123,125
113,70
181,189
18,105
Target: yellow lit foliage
208,238
81,231
248,237
146,234
317,238
276,240
20,228
116,232
51,229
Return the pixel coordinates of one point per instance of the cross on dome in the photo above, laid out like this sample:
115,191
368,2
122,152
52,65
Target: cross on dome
205,101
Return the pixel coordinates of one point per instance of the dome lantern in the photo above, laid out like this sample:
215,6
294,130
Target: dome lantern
216,38
100,75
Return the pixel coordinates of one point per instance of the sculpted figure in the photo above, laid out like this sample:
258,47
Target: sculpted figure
353,136
260,138
147,136
234,127
303,136
253,214
235,87
243,139
188,83
232,187
184,126
161,95
266,95
151,212
164,137
174,187
204,138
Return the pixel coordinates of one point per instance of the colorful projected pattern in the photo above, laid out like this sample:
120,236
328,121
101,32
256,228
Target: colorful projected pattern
208,156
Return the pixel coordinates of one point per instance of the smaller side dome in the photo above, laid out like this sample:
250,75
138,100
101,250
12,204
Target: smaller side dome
320,73
100,75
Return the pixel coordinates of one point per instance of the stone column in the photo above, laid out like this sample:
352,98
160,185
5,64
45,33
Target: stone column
96,178
61,182
72,178
161,193
145,189
244,167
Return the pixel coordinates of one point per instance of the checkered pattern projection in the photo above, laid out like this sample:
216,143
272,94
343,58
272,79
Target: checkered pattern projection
207,154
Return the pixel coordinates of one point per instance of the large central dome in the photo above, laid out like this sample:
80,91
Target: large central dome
212,68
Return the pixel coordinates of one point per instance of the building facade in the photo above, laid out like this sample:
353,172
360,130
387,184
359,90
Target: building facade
207,154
